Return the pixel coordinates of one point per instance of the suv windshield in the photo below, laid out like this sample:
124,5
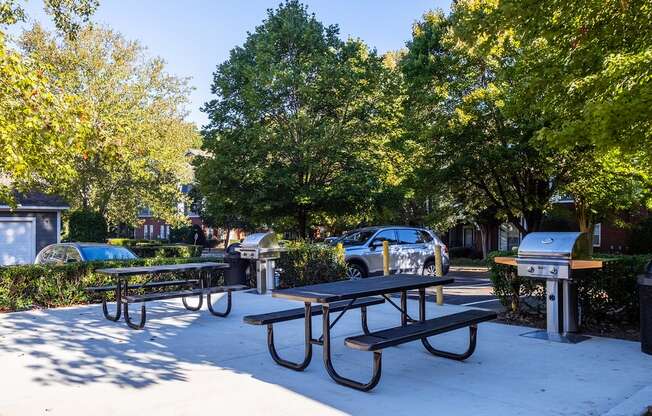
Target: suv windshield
93,253
356,238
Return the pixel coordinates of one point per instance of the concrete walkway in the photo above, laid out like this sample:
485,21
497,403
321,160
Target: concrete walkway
73,362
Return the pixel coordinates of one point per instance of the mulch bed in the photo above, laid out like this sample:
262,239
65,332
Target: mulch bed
622,330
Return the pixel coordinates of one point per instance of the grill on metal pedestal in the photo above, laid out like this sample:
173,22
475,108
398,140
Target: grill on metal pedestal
263,248
553,256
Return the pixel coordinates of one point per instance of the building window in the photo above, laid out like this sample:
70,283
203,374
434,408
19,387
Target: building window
508,237
148,231
467,237
145,212
597,235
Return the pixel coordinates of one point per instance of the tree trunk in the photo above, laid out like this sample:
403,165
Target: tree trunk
585,222
484,237
227,238
302,223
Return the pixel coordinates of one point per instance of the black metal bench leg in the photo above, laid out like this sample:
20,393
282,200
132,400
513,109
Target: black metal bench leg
375,378
143,317
193,308
473,331
363,315
118,301
201,299
209,303
308,344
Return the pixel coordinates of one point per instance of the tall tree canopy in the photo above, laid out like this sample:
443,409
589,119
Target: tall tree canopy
485,157
132,143
299,124
587,62
39,126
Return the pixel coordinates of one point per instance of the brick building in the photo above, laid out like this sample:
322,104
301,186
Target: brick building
607,236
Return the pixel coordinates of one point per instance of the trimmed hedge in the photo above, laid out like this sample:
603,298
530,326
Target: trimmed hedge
508,286
29,286
608,294
307,264
130,242
164,251
153,248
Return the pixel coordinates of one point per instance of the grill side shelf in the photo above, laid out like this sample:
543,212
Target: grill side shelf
575,264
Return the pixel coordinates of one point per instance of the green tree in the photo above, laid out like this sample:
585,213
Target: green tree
39,126
300,124
588,63
133,143
604,185
87,226
471,147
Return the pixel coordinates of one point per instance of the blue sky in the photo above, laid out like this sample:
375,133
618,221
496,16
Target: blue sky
194,36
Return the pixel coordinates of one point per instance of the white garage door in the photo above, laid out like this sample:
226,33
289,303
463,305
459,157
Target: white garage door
17,241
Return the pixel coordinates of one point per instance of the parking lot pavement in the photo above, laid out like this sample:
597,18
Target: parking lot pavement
471,288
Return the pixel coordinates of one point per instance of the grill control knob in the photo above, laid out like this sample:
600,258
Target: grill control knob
530,269
553,270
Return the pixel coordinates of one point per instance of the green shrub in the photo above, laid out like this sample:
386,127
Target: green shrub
129,242
306,264
508,287
29,286
609,293
187,234
640,240
176,250
87,226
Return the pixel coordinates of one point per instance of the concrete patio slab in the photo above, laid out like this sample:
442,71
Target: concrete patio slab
71,361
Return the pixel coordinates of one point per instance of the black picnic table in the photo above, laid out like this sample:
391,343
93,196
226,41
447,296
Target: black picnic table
345,294
193,287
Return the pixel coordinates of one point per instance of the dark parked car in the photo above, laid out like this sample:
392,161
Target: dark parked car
76,252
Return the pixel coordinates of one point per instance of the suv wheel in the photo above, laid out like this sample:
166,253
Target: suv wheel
429,268
355,271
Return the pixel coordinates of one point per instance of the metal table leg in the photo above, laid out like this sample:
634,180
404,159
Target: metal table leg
308,344
143,313
473,330
118,304
201,297
375,378
404,315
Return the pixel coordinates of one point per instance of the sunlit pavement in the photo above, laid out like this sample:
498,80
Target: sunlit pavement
71,361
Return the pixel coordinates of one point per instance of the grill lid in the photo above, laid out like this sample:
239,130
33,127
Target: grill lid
260,241
560,245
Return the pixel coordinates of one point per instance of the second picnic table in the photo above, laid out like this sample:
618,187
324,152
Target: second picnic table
199,287
351,294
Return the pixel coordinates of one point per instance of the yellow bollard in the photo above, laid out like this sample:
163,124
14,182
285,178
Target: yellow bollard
439,272
386,258
339,250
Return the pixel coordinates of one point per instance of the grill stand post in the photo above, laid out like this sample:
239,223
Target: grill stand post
265,279
561,313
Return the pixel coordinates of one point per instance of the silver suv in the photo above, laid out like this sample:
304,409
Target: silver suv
411,250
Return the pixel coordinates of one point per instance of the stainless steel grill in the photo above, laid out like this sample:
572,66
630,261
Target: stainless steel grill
263,248
553,256
549,255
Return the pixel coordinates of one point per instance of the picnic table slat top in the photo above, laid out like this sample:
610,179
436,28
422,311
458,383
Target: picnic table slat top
351,289
164,268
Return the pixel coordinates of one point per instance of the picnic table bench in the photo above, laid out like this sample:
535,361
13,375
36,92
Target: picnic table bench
187,288
345,295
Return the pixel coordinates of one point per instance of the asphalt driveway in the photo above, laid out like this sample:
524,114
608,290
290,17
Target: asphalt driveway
471,288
